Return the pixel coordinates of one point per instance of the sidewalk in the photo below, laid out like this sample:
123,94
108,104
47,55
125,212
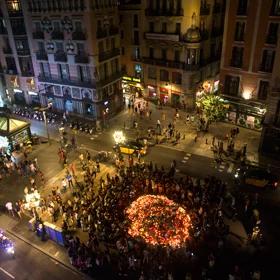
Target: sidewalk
19,229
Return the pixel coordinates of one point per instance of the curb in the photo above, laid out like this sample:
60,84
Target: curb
45,253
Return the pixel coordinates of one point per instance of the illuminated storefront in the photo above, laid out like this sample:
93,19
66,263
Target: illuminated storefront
132,85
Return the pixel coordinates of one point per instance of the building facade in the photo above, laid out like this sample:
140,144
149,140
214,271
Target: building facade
75,53
248,58
17,72
169,48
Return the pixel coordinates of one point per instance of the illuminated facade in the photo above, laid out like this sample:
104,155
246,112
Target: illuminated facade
248,58
17,73
171,47
75,53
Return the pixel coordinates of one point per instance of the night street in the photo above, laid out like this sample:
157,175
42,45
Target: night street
31,264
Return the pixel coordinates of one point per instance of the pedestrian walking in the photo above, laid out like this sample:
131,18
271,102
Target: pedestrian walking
9,206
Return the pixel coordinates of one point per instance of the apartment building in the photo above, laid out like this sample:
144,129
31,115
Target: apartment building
75,53
270,138
16,68
248,58
170,48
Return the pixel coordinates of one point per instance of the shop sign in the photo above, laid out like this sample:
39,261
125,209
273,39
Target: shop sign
163,90
132,79
33,93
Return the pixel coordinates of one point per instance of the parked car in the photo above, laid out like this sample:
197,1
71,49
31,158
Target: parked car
257,177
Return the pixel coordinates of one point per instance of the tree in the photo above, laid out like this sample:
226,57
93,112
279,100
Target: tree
211,107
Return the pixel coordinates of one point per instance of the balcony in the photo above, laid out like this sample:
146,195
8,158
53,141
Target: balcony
7,50
60,56
78,36
26,73
11,71
81,58
205,10
164,13
19,30
236,63
15,13
57,35
109,54
113,30
266,68
23,52
162,36
41,55
38,35
56,79
170,64
101,33
110,79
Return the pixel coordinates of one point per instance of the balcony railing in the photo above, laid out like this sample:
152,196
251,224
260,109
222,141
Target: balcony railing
41,55
205,10
19,31
15,13
236,63
266,68
7,50
110,79
171,64
165,13
60,56
56,79
38,35
271,39
57,35
79,36
26,73
109,54
23,52
11,71
81,58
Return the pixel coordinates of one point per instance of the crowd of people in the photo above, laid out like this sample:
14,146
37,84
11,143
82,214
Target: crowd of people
97,206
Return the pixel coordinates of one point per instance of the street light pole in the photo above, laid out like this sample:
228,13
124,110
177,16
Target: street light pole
46,125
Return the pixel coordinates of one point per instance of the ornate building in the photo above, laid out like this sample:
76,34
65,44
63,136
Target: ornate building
170,47
75,47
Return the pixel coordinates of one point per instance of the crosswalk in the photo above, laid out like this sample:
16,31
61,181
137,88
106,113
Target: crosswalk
186,158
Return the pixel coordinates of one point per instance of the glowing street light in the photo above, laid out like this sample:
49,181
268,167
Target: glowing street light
119,137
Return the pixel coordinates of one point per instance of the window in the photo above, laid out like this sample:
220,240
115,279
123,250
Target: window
21,45
59,46
164,75
135,21
45,69
13,6
151,27
152,73
237,57
56,26
178,28
177,55
121,18
122,34
137,53
277,115
176,78
136,38
272,33
275,8
164,54
164,27
242,7
151,52
123,52
267,60
84,73
239,31
63,71
37,26
231,85
78,26
41,46
263,90
100,47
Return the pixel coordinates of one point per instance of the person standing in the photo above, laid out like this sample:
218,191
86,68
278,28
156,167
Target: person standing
9,207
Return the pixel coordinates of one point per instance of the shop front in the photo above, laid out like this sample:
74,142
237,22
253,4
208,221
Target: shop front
132,86
163,95
249,115
13,132
19,97
152,92
34,98
175,98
